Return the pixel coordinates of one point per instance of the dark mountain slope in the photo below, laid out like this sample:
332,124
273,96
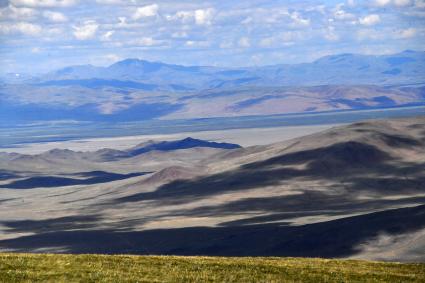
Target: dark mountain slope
180,144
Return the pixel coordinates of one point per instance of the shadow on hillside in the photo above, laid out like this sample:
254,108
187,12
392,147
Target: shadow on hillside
6,175
354,166
337,238
55,224
286,208
94,177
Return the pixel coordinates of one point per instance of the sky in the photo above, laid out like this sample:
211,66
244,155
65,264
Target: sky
38,36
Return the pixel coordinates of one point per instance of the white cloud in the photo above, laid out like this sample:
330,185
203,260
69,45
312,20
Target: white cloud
267,42
370,20
107,35
226,45
85,31
291,36
204,16
209,26
55,16
340,14
402,2
44,3
382,2
200,16
35,50
330,34
179,34
193,43
15,13
53,32
182,15
370,34
275,16
247,21
108,108
399,3
146,11
406,33
111,58
20,27
298,20
244,42
122,22
420,4
147,41
319,8
109,2
282,39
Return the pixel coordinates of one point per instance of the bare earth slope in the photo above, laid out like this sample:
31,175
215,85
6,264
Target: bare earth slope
352,191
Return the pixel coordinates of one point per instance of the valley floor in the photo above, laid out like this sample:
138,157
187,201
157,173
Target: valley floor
98,268
244,137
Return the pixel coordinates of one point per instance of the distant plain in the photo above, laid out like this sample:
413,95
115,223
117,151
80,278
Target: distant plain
42,136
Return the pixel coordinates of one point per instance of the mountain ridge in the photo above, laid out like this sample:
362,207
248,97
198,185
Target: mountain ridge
137,90
109,154
362,66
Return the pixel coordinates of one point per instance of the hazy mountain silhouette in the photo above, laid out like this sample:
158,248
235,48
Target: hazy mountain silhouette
351,69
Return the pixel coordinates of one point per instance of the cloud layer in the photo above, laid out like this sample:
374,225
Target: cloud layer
224,33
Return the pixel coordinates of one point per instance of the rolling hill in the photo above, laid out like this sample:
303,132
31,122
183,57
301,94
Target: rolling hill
65,160
353,191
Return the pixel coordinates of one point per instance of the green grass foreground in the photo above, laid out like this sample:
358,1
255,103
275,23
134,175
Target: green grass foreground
117,268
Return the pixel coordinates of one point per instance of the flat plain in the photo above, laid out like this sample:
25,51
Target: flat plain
244,137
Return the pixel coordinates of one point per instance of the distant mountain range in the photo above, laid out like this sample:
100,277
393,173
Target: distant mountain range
162,146
349,69
134,89
98,160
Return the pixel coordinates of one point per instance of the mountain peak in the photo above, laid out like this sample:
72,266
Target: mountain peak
190,139
129,61
409,51
139,64
136,62
179,144
336,58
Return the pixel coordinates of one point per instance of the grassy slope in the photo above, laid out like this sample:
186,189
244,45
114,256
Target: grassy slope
95,268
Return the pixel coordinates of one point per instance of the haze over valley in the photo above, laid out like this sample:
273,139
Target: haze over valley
134,90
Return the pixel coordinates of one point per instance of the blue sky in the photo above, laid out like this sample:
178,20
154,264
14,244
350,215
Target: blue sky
41,35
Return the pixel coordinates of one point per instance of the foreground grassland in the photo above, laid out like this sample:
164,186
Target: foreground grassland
101,268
